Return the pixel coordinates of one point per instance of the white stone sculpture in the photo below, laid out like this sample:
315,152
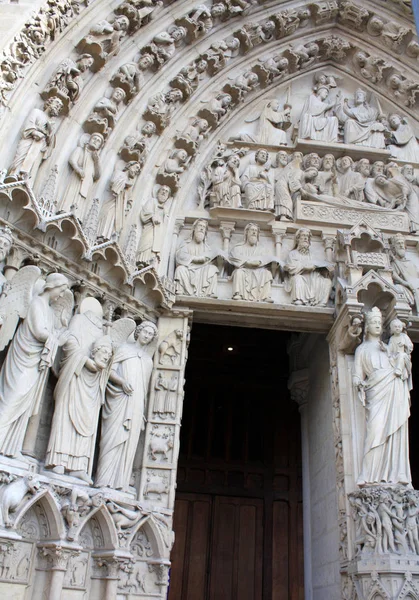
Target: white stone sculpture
116,210
226,184
37,140
165,396
85,163
407,173
257,183
326,178
104,39
67,82
105,113
195,274
306,283
316,122
362,122
123,412
154,216
405,273
13,496
6,243
400,347
385,395
79,395
288,184
252,281
170,349
350,183
387,191
45,306
404,144
377,168
273,124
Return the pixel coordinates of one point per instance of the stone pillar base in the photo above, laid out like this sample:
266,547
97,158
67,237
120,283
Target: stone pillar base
385,577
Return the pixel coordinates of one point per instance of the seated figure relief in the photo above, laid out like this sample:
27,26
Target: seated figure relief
309,280
363,123
257,183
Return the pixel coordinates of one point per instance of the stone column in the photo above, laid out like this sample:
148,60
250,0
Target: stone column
298,384
56,558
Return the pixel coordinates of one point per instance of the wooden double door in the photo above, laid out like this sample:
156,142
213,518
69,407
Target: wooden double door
238,513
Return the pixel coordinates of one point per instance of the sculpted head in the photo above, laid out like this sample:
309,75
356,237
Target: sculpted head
121,23
96,141
394,120
328,162
148,129
303,239
310,174
251,234
374,323
312,160
6,242
322,92
363,167
261,157
377,168
408,172
234,161
85,62
282,158
53,106
217,10
381,180
163,194
360,97
345,163
199,230
145,332
398,245
118,95
145,62
55,285
102,352
396,327
133,168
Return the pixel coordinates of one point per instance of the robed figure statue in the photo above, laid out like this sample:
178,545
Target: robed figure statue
384,391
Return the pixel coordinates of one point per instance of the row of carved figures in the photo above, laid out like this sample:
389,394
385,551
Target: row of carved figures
101,364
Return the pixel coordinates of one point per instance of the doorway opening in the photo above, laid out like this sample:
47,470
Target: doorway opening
238,514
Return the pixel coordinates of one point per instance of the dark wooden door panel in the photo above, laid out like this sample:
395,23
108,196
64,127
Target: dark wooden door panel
237,549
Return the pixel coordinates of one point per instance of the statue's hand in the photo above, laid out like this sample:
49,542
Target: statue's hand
127,424
357,382
127,388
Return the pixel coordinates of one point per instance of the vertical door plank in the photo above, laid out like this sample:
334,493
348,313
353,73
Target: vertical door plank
180,526
198,550
280,550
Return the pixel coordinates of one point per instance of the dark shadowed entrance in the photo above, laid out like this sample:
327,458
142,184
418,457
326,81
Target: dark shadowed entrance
238,515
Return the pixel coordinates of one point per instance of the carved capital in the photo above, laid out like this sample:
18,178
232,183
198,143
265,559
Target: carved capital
298,385
161,569
227,228
179,223
57,557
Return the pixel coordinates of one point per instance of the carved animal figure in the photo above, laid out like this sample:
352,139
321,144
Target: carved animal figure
161,443
156,485
13,495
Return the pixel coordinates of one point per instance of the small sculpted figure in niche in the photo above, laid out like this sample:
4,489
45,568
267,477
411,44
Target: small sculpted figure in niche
67,81
391,33
362,122
226,184
188,78
400,347
170,349
195,274
45,306
123,411
85,163
371,67
350,183
135,147
176,163
37,139
162,47
385,396
116,210
220,105
405,273
79,395
353,335
6,243
326,179
305,55
105,113
288,184
130,76
257,183
153,216
306,283
272,125
252,281
407,174
161,106
104,38
197,131
403,142
412,522
317,123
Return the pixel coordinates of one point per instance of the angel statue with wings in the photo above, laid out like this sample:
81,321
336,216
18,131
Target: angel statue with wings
45,305
80,393
123,412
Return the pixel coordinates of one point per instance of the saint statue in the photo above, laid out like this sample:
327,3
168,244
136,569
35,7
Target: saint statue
404,144
38,139
116,210
86,166
307,284
123,412
362,122
24,373
79,395
316,122
273,124
288,184
257,184
195,274
384,391
153,216
226,184
350,183
252,281
405,273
